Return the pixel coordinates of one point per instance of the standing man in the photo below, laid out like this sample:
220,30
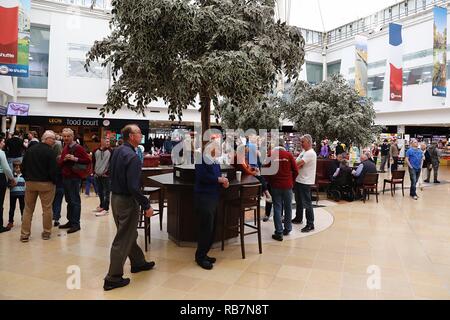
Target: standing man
307,164
39,169
384,155
413,159
127,201
208,181
394,151
14,149
435,159
73,156
100,160
282,183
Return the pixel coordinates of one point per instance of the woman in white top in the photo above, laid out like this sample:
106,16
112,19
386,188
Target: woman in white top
5,175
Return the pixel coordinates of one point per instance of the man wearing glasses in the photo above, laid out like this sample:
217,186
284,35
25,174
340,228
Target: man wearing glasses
126,201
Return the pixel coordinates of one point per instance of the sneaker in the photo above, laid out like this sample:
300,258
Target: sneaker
205,264
102,213
426,181
308,229
286,232
437,181
24,239
147,266
56,223
277,237
415,197
10,225
46,235
266,218
110,285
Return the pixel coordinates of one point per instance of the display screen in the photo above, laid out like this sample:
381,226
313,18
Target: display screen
17,109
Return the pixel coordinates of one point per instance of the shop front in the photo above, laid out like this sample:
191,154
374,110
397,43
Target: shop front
88,131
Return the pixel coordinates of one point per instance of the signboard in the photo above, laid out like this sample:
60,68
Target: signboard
14,37
361,65
440,52
396,62
17,109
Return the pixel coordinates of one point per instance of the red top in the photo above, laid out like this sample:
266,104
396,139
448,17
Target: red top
66,166
287,171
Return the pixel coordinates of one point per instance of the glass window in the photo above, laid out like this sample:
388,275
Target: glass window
333,68
39,47
412,6
314,72
418,75
76,69
375,87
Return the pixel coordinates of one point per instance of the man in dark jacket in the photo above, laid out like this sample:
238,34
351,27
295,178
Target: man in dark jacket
208,181
14,149
126,202
39,170
384,155
364,168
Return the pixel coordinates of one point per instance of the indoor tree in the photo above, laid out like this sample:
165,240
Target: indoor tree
178,50
332,109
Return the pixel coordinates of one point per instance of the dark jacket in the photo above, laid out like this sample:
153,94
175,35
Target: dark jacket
344,178
427,159
207,179
385,149
368,167
39,164
125,172
14,147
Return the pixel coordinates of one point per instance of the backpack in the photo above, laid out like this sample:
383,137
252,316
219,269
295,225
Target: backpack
81,170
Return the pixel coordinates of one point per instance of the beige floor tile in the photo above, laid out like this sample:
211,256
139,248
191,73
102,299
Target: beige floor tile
237,292
180,282
285,285
211,289
321,291
320,276
350,293
264,268
431,292
255,280
294,273
299,262
160,293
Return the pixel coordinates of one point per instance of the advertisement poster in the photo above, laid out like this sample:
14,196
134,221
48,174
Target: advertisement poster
396,62
14,37
361,65
440,52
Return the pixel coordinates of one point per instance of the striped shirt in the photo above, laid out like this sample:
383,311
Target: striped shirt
19,189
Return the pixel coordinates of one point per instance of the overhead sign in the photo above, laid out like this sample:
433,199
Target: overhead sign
14,37
17,109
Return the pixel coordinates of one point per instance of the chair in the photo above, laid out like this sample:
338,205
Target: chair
249,199
144,223
154,194
315,188
398,177
370,184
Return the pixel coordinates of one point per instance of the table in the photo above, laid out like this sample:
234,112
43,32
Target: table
182,221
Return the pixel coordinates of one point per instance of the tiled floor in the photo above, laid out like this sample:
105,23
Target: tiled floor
406,242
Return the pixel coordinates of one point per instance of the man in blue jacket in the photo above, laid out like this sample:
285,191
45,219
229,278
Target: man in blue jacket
208,181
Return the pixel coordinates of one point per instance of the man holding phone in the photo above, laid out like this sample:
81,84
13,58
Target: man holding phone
126,202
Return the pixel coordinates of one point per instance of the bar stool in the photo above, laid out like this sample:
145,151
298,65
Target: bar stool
144,223
249,200
154,194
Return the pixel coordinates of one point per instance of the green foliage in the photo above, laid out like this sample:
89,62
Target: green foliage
178,50
333,110
263,115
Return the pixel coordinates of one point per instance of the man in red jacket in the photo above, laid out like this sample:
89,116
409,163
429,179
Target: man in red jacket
73,159
282,184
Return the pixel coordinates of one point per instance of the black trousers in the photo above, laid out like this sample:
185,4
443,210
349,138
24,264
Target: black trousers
394,166
126,215
206,209
3,187
12,206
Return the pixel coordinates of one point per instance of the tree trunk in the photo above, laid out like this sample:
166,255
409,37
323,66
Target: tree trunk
205,103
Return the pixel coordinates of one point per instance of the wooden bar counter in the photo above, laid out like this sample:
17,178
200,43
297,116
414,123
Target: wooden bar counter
182,222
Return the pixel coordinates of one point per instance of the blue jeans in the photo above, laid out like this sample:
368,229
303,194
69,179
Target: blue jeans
282,198
304,197
104,190
90,180
57,202
414,175
72,194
